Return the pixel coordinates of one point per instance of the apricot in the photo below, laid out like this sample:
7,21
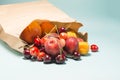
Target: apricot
47,27
71,34
83,48
30,32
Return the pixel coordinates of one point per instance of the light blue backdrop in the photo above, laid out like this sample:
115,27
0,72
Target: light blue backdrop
101,19
109,8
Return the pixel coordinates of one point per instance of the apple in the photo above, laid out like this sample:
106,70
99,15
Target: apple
52,46
71,45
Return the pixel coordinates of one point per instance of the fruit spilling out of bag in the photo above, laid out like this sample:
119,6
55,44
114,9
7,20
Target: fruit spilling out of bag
50,41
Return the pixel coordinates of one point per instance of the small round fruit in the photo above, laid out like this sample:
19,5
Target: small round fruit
26,47
27,54
83,48
40,56
30,32
43,40
47,59
42,49
76,55
37,41
94,48
63,35
52,46
71,45
61,29
34,51
71,34
60,59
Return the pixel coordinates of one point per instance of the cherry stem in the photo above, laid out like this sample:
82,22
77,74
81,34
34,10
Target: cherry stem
56,29
52,29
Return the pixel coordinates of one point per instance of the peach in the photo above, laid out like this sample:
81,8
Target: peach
52,46
71,45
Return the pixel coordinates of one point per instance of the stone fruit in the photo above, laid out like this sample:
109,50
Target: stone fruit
43,40
71,45
60,59
47,26
52,46
83,48
71,34
61,29
94,48
76,55
40,56
34,51
63,35
27,53
30,32
47,59
37,42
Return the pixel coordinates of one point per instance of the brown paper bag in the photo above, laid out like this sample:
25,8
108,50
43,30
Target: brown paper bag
15,17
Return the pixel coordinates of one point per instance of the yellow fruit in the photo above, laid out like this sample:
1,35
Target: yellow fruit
83,48
71,34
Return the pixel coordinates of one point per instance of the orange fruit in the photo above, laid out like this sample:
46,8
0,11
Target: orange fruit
47,27
30,32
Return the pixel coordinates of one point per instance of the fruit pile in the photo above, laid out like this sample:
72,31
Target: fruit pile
57,47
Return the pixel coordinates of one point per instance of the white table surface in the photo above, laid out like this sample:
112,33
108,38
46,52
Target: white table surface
101,20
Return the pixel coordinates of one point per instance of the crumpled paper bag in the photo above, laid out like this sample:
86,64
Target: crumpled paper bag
15,17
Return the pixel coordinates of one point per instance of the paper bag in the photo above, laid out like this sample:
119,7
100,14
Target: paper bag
15,17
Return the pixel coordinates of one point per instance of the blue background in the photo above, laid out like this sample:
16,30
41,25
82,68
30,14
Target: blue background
101,19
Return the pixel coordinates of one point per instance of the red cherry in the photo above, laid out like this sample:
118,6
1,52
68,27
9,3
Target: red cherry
47,59
27,54
94,48
76,55
61,29
37,41
26,47
63,35
34,51
40,56
60,59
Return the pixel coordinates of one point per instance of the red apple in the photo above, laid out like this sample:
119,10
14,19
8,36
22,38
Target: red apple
71,45
52,46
